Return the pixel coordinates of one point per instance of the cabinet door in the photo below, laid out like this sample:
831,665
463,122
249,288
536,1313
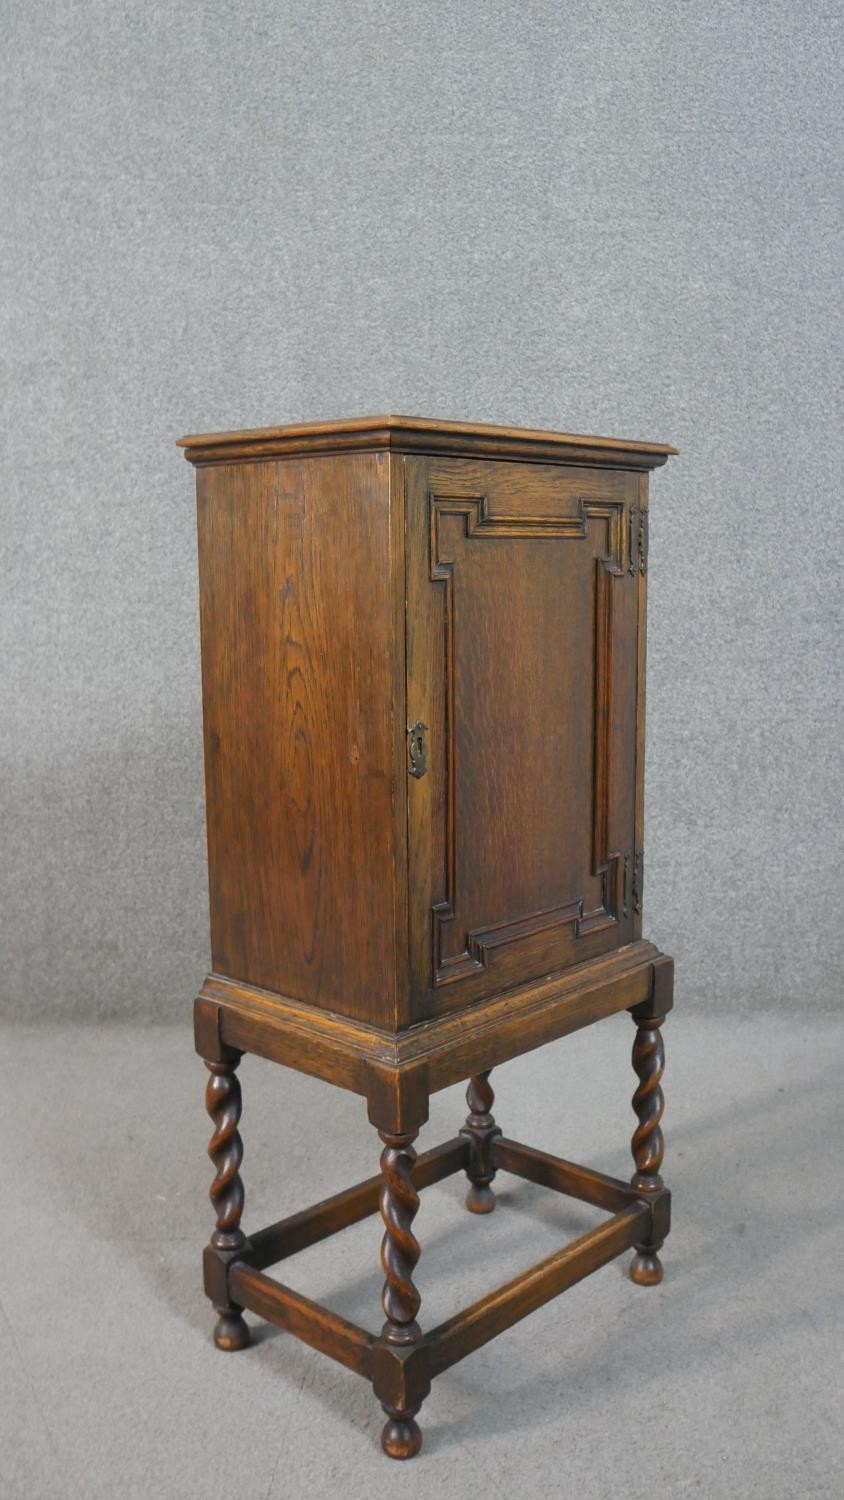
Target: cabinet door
522,683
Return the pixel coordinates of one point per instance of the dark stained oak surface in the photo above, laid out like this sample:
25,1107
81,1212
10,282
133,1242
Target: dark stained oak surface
423,657
305,819
421,434
495,606
522,633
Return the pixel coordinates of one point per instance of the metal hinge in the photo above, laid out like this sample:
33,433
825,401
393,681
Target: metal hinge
638,879
639,539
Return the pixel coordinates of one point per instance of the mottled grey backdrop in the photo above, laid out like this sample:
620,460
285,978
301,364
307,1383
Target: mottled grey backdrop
607,217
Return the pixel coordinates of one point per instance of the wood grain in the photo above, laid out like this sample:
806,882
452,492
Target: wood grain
309,1321
485,1319
522,662
269,1246
420,434
454,1046
563,1176
304,791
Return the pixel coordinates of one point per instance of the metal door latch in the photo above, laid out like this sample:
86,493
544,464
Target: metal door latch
417,748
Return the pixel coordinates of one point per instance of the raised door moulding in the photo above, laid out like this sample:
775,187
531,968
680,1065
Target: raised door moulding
475,509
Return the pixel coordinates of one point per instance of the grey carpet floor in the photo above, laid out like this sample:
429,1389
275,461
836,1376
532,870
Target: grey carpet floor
725,1381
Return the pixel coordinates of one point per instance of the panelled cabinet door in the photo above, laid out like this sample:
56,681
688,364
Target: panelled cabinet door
522,595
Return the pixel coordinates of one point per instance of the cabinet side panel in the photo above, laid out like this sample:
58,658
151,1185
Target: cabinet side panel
296,589
641,666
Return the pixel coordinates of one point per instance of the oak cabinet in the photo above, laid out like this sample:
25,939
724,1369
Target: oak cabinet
481,613
423,655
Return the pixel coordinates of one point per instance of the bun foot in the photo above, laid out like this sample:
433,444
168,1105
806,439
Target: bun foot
480,1198
231,1331
646,1268
401,1437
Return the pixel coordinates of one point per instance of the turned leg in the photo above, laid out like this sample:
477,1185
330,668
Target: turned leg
222,1100
401,1437
647,1144
481,1130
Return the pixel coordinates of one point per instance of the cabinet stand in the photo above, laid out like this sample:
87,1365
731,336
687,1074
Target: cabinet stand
403,1359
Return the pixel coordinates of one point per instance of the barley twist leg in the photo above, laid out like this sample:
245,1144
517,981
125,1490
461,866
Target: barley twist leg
223,1103
400,1299
647,1144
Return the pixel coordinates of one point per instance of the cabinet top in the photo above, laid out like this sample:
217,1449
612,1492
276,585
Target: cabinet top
422,435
